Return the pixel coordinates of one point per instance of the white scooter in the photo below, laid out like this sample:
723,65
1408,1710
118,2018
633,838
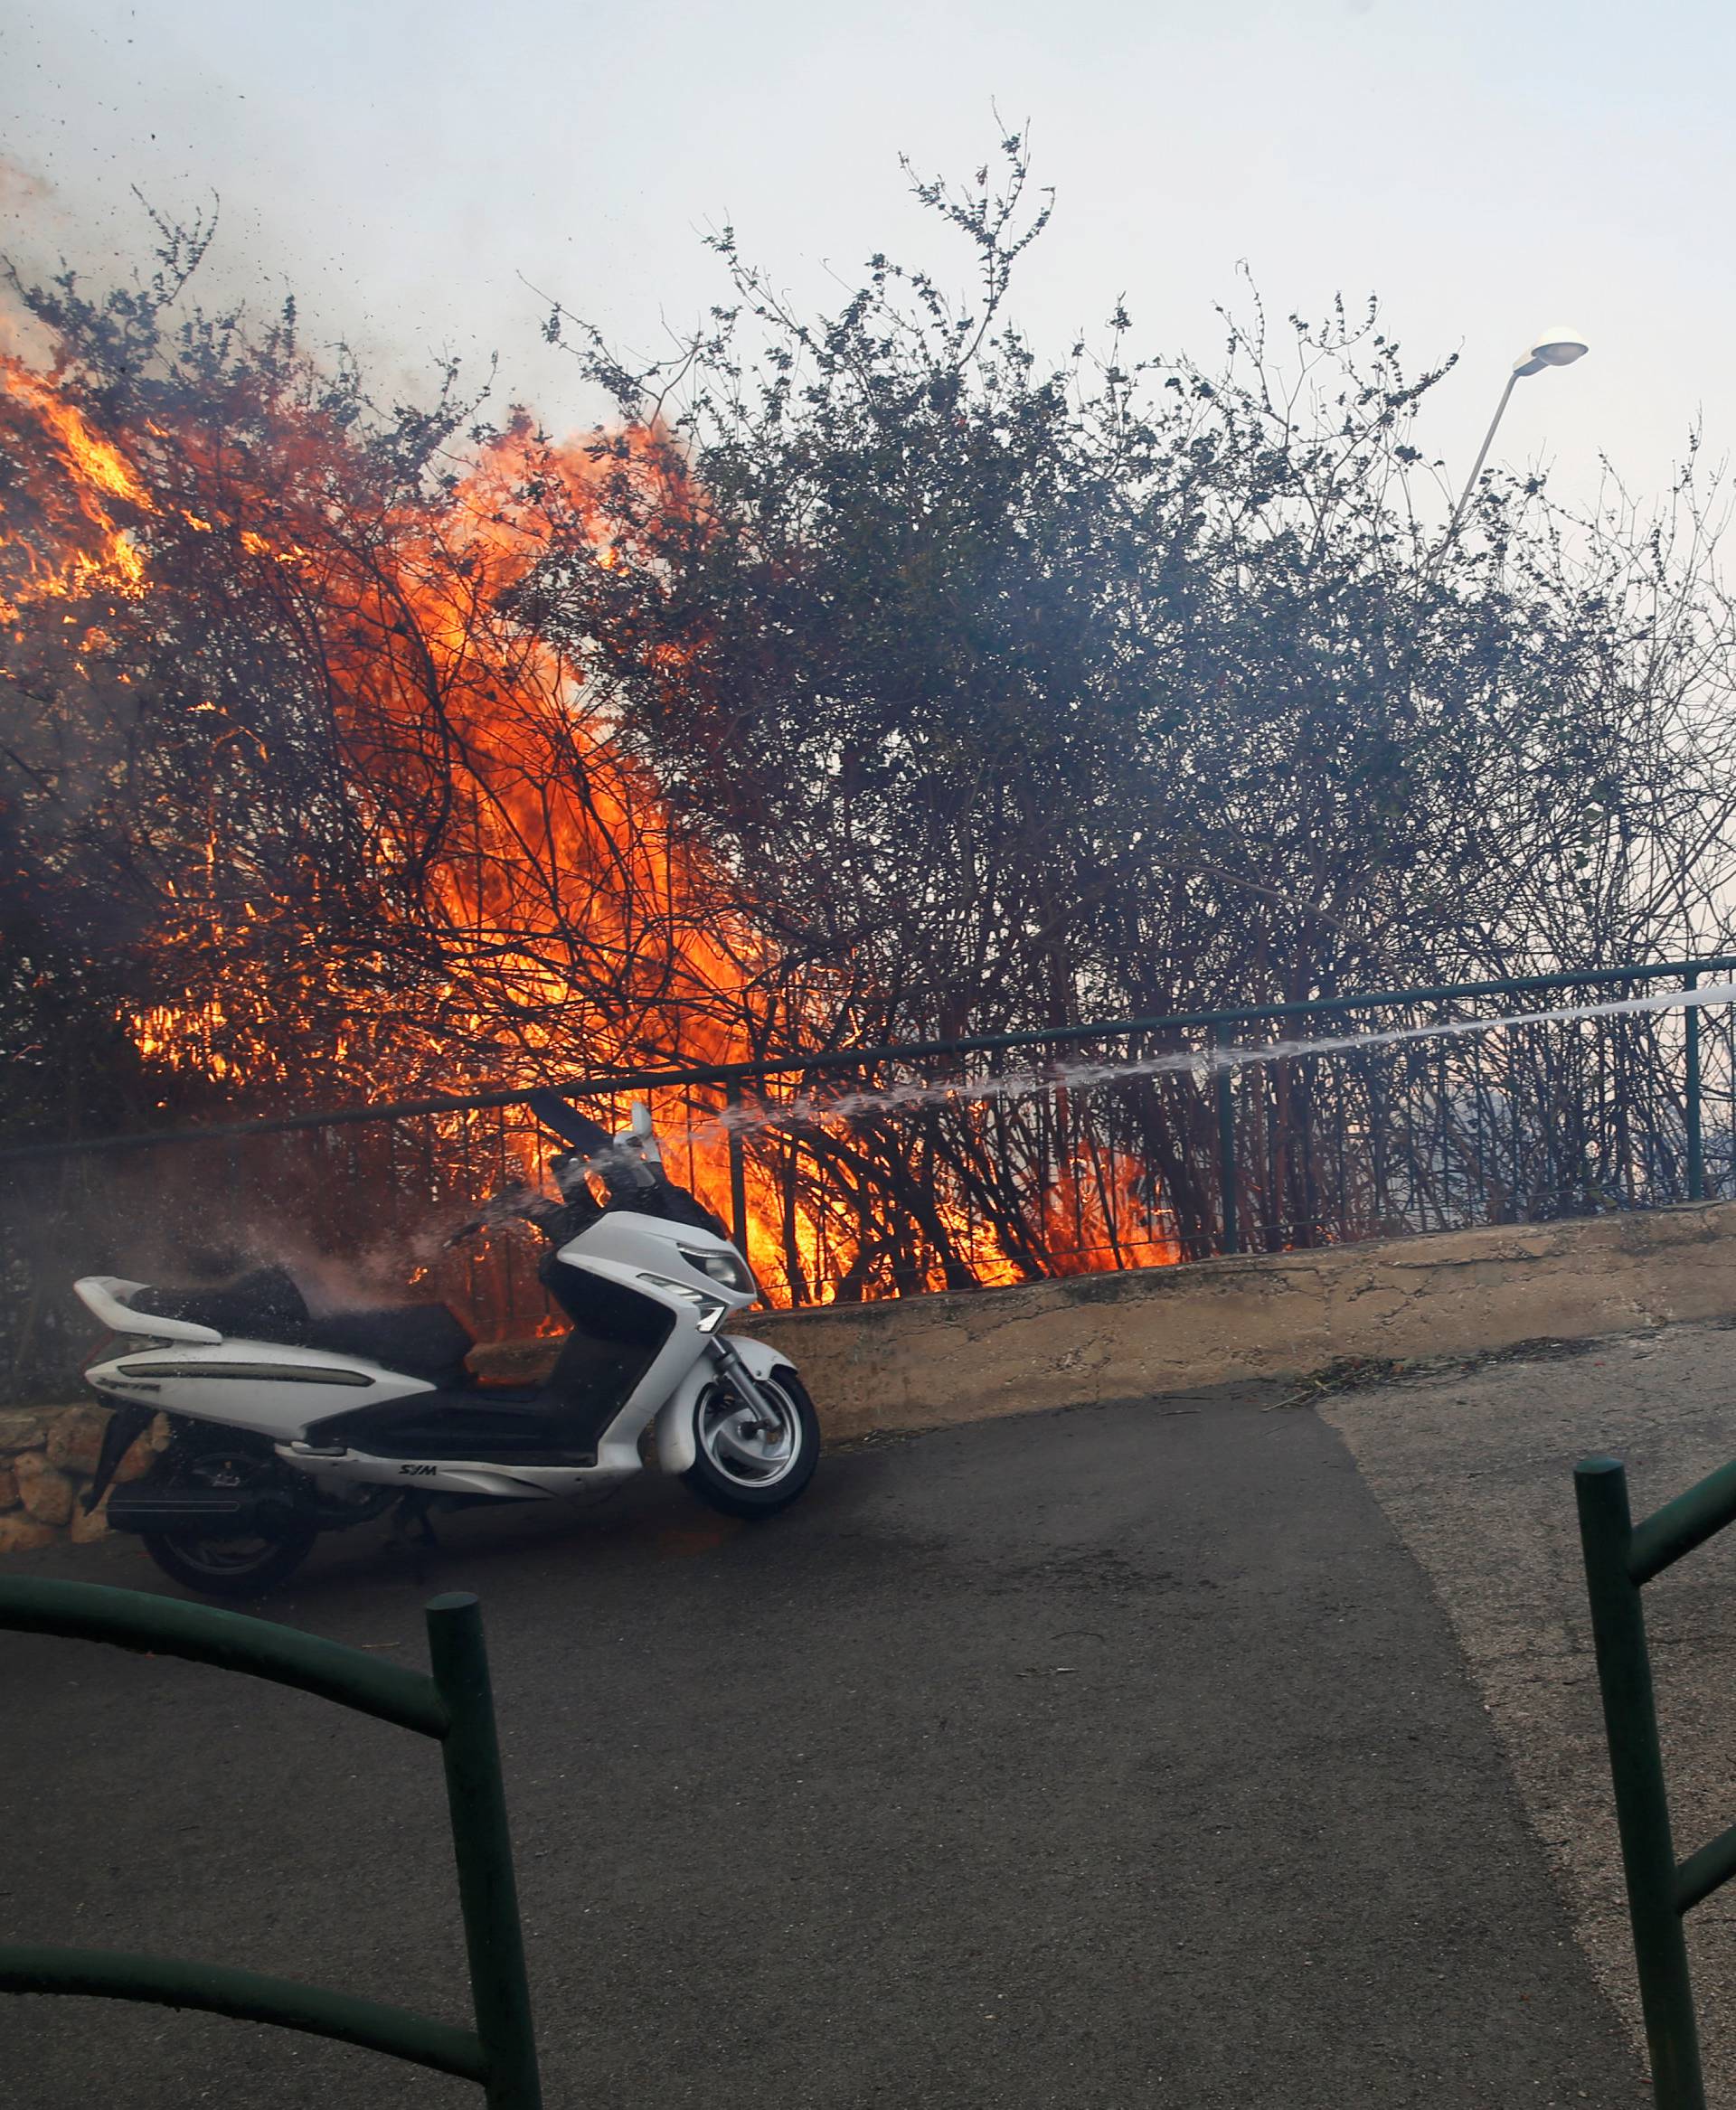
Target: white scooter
272,1440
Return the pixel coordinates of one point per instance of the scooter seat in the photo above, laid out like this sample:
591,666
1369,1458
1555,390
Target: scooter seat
423,1341
252,1305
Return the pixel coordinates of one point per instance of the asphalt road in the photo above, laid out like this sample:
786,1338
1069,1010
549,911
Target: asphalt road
1473,1469
1108,1759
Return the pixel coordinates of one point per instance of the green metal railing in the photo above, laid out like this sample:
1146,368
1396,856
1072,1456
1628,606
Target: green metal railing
1620,1559
454,1705
1048,1150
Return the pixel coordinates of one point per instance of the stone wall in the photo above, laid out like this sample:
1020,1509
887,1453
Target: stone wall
47,1457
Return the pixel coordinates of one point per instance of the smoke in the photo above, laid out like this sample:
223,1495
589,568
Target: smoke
23,195
355,1282
22,189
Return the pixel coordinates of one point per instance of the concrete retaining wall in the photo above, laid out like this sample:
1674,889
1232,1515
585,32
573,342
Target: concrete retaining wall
925,1362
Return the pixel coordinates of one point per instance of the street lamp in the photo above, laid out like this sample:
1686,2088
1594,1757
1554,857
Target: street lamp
1555,348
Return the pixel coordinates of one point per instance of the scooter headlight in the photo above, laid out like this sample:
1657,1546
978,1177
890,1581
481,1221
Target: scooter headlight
712,1310
723,1267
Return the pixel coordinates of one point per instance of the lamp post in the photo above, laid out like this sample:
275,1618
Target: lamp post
1558,348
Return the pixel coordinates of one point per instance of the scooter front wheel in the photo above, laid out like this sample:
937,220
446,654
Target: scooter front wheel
744,1465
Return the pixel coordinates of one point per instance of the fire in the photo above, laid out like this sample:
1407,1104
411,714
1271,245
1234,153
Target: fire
100,467
91,545
552,841
554,916
1092,1220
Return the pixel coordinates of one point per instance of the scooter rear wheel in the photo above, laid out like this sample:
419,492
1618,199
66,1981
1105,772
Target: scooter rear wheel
744,1468
219,1567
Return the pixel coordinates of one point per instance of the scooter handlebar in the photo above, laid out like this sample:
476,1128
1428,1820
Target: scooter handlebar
568,1123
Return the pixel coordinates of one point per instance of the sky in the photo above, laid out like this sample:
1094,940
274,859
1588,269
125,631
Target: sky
414,171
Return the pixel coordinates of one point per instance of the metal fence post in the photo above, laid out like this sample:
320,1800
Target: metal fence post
452,1705
1696,1155
1226,1090
738,1172
1636,1772
483,1848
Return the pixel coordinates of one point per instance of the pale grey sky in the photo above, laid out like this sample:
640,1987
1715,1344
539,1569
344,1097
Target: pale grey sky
1487,169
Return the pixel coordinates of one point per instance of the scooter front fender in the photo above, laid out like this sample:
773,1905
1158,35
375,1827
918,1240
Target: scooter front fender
677,1439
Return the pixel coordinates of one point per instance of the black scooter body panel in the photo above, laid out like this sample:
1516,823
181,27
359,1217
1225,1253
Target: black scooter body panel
616,1336
126,1423
423,1341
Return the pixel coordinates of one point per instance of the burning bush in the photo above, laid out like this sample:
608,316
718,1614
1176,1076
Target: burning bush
345,827
893,688
299,808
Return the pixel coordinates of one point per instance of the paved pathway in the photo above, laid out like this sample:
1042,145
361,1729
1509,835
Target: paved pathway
1099,1760
1474,1471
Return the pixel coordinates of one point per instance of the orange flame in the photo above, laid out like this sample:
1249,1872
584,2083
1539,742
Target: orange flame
552,836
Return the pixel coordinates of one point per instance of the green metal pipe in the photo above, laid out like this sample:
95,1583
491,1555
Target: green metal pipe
1697,1156
1682,1524
248,1996
483,1848
738,1173
1636,1773
1705,1871
204,1633
814,1063
1231,1241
